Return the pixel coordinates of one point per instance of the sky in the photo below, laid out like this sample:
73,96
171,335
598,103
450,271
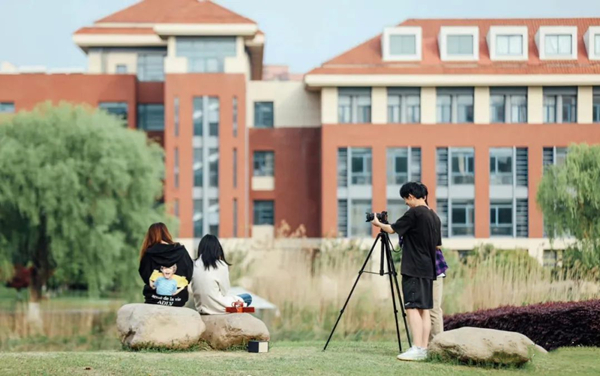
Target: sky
301,34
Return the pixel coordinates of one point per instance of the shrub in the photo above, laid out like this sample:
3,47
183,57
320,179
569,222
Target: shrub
550,325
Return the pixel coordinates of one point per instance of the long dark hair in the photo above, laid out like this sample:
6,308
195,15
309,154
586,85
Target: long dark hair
157,233
211,252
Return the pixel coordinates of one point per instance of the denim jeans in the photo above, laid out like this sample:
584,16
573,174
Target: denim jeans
247,299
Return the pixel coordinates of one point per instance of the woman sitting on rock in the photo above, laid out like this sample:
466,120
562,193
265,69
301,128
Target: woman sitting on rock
210,283
165,267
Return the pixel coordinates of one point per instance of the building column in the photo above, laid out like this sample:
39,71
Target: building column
428,105
535,105
329,105
482,105
482,191
585,104
379,105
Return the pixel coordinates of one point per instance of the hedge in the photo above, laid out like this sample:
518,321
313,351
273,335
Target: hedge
550,325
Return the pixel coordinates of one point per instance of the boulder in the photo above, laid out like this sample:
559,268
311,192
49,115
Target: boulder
234,329
155,326
480,345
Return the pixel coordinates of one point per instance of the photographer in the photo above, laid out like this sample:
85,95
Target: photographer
421,232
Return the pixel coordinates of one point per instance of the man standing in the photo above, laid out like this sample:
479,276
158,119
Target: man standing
420,230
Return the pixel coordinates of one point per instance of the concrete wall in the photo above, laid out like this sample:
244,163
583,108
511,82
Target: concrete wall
293,105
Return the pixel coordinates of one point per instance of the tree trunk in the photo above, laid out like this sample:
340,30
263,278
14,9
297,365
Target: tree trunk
40,273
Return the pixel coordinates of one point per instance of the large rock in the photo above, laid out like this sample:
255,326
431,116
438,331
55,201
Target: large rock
155,326
234,329
483,346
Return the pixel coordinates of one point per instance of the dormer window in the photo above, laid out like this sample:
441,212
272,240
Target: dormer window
459,43
557,42
592,42
508,43
401,43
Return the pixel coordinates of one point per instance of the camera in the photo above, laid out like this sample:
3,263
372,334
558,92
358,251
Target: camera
383,217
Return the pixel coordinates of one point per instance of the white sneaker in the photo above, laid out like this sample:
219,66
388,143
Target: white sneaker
413,354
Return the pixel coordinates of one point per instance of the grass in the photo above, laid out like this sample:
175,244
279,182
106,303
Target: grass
284,358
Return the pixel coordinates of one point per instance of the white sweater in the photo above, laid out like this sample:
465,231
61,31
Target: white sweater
210,288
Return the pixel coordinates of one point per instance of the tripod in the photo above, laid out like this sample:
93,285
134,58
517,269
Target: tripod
386,254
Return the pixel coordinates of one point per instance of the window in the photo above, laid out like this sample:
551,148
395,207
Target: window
554,156
7,107
501,166
118,109
508,105
342,167
235,218
176,115
455,105
522,167
234,168
151,117
463,218
213,116
235,116
213,167
463,166
197,219
264,213
198,167
559,45
176,168
596,111
442,166
550,258
206,54
151,67
403,165
597,44
358,226
121,69
213,216
560,105
263,115
396,209
459,45
354,105
264,163
501,219
210,107
360,161
342,218
176,208
509,45
403,44
404,105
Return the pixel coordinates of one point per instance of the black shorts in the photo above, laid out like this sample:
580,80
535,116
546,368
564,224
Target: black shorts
417,292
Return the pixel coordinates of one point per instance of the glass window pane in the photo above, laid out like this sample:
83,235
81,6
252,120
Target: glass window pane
361,166
465,108
213,167
358,226
596,110
7,107
564,44
551,46
569,109
264,213
460,45
197,166
597,44
403,45
176,115
235,116
197,218
549,109
198,115
444,109
151,117
502,44
518,108
213,116
505,215
264,163
497,109
151,66
118,109
263,114
206,54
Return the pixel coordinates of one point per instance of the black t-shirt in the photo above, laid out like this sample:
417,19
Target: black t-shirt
421,229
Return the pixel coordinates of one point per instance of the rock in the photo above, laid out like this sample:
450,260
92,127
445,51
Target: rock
540,349
480,345
234,329
154,326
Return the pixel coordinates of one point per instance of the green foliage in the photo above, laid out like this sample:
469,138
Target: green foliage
570,201
77,193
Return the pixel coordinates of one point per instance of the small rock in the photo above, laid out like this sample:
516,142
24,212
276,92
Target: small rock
235,329
480,345
154,326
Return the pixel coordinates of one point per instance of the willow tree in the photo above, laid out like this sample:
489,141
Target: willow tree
77,192
569,197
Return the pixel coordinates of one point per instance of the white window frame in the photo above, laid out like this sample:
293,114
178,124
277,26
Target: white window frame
496,31
589,38
445,31
415,31
540,40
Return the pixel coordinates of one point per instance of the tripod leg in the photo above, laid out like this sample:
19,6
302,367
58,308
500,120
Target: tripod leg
388,255
352,291
395,274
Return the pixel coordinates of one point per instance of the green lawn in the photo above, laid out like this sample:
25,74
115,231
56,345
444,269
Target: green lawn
285,358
